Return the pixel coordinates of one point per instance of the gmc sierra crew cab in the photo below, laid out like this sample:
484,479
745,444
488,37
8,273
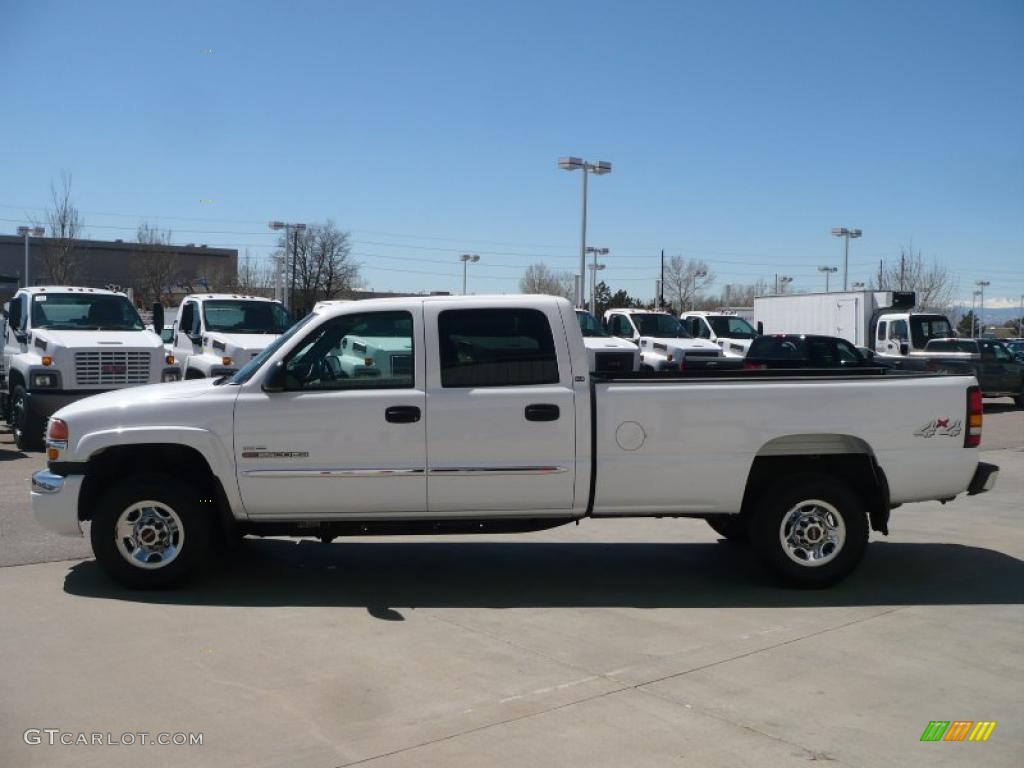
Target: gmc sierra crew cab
496,424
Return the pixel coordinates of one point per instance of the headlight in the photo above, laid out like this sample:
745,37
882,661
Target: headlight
45,380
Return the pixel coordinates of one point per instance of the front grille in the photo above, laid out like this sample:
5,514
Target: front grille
401,365
111,368
613,362
702,353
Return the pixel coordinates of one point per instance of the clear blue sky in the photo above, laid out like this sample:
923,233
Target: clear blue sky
740,132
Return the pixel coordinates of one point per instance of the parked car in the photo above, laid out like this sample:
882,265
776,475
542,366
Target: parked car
998,371
665,345
725,328
606,353
789,350
497,426
63,343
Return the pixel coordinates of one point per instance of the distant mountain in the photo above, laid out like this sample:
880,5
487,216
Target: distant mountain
992,316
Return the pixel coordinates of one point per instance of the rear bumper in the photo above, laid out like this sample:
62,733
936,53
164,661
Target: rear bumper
984,479
55,502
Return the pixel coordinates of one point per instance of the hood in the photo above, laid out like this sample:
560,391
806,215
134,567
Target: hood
248,342
101,339
608,342
149,394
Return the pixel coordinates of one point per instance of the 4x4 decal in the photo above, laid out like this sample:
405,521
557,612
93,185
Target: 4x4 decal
940,427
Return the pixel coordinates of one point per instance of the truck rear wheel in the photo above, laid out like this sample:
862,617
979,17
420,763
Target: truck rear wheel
149,531
731,527
26,426
811,529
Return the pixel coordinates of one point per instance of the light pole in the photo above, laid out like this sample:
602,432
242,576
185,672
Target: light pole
781,283
858,286
292,229
982,284
828,271
693,287
974,311
599,168
1020,323
595,252
25,232
846,234
466,258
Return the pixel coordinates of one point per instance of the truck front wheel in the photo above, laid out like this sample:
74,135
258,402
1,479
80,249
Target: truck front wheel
151,531
811,529
26,426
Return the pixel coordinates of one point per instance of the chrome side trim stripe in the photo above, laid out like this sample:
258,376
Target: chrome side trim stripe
440,472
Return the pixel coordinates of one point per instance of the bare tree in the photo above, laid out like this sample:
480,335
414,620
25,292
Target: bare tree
324,267
740,294
539,278
60,254
934,285
685,279
155,265
255,277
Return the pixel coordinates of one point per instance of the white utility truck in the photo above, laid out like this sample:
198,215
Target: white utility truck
882,321
217,333
606,353
499,426
665,345
725,328
63,343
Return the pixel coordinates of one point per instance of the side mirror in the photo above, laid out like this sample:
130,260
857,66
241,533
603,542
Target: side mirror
158,318
760,328
21,337
276,379
196,338
904,348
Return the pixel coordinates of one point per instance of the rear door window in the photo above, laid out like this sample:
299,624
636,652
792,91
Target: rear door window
496,348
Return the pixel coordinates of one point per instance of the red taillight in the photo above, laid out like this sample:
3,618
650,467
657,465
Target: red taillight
753,366
972,435
58,430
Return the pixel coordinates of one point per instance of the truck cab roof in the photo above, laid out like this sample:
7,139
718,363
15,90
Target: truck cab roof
38,290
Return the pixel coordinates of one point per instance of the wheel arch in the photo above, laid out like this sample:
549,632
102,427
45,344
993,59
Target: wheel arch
836,455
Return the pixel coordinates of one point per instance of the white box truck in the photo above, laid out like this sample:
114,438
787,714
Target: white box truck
882,321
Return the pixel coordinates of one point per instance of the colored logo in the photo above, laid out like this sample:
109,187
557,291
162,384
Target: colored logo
958,730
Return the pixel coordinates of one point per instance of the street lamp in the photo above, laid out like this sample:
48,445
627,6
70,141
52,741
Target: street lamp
782,282
1020,323
982,284
599,168
858,286
846,234
293,229
466,258
974,310
593,272
25,232
828,271
693,287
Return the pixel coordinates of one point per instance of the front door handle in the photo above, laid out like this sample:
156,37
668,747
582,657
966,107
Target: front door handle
542,412
402,414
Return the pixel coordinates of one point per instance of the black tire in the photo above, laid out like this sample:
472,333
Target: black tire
834,505
731,527
26,426
1019,400
195,525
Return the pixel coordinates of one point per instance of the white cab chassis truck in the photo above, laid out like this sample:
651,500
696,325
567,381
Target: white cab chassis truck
724,327
606,354
63,343
881,321
665,345
215,334
498,426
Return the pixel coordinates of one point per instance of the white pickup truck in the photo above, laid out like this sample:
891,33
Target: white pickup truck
63,343
665,345
498,426
726,329
215,334
606,353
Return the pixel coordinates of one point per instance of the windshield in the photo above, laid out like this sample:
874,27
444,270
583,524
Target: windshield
732,327
244,316
590,325
246,371
84,312
926,327
664,326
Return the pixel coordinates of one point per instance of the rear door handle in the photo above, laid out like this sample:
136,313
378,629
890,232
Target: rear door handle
402,414
542,412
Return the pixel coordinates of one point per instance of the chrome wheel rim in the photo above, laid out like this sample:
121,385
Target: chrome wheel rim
149,535
812,533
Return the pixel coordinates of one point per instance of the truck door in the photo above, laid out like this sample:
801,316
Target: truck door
501,412
188,334
847,326
333,444
898,335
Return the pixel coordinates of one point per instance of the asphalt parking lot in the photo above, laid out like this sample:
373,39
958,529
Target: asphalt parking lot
640,643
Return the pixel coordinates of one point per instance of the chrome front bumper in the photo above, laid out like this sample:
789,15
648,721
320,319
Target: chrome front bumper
55,502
